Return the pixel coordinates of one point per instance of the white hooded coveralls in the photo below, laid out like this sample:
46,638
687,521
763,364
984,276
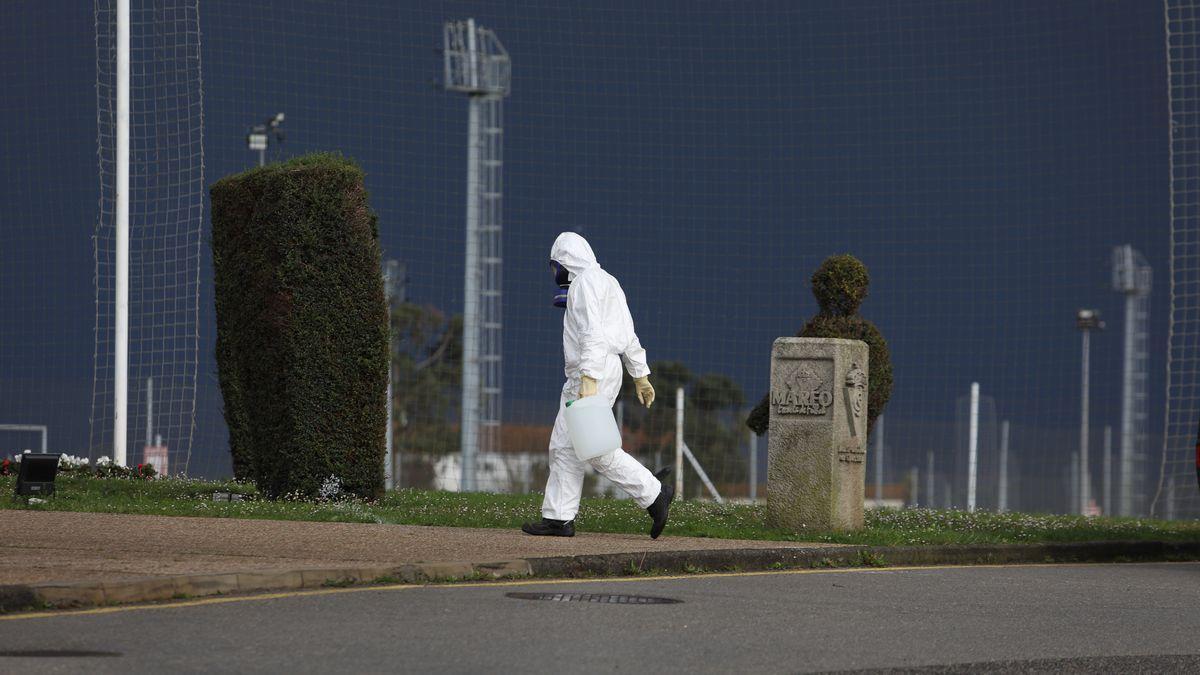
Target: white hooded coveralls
597,336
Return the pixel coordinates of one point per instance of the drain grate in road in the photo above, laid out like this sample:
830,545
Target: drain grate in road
54,653
603,598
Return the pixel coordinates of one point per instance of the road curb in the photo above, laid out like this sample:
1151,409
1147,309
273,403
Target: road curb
849,556
153,589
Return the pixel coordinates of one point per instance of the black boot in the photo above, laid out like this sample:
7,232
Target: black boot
550,528
661,507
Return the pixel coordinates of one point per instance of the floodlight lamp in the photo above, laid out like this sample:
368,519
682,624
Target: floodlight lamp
1088,319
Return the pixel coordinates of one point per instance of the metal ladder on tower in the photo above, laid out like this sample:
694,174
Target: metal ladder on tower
491,273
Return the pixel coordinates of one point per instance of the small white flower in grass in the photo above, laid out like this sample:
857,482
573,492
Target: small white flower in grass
331,489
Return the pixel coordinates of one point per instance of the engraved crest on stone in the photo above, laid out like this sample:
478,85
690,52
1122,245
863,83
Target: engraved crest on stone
804,392
805,379
856,383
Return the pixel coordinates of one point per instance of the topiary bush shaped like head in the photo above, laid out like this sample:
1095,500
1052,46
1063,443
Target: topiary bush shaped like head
840,285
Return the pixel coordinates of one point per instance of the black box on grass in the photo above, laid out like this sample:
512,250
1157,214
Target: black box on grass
36,475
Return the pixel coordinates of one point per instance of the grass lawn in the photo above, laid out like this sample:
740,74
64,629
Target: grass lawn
174,497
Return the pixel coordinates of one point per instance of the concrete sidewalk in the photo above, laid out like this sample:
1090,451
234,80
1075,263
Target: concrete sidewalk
55,546
64,559
111,556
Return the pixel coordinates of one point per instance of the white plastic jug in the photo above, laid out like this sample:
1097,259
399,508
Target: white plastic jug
592,427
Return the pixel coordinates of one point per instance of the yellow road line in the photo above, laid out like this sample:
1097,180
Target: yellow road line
523,582
204,601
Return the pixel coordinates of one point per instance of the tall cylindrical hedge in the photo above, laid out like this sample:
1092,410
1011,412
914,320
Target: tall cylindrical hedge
302,332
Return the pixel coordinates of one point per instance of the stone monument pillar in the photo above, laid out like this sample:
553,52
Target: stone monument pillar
818,434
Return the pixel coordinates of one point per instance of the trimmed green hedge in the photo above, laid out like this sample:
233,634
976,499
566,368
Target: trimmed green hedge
302,332
840,285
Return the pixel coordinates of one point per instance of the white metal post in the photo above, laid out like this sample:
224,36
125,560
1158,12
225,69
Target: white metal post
1075,483
40,428
753,467
704,479
121,339
390,281
679,443
1083,424
1002,501
929,482
879,461
389,460
1107,485
973,447
149,410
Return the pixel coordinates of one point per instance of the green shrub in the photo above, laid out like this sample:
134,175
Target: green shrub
302,334
840,285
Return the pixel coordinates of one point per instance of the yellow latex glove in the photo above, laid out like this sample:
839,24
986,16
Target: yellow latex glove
645,392
587,386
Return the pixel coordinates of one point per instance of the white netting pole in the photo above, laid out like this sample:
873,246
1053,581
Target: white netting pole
121,338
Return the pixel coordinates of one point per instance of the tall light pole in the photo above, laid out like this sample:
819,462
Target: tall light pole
476,64
973,447
1086,320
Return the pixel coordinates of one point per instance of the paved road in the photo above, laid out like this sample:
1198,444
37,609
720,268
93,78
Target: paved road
1096,618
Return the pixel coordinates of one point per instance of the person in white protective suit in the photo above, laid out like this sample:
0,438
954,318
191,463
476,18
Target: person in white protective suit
597,336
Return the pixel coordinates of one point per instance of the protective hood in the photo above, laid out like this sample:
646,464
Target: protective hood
573,252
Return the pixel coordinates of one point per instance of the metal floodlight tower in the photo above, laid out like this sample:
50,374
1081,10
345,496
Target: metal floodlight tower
477,65
1132,276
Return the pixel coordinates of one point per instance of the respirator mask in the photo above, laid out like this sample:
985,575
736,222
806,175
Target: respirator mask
563,279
